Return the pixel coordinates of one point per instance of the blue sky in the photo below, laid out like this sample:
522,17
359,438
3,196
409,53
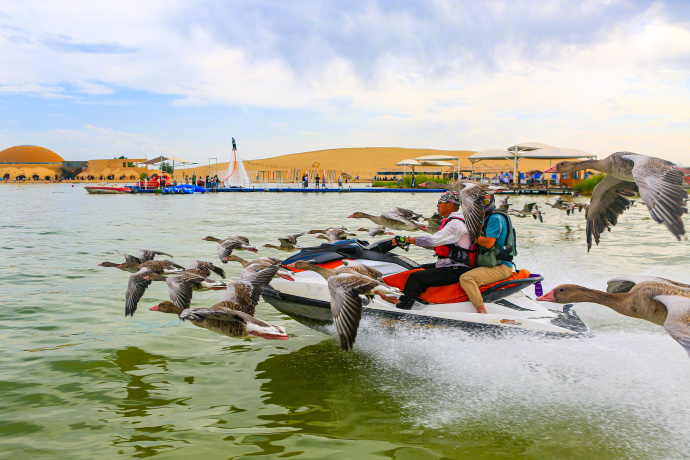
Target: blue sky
108,78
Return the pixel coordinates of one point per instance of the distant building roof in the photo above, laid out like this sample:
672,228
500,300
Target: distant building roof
29,154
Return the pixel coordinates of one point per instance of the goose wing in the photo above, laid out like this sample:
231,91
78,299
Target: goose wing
242,294
130,258
528,207
472,200
678,322
661,189
346,305
624,283
225,248
147,254
201,314
402,218
408,213
291,239
135,290
207,267
364,269
609,200
180,289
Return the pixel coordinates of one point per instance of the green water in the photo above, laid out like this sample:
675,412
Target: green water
79,380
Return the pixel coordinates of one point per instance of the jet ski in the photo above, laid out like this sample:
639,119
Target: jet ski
509,308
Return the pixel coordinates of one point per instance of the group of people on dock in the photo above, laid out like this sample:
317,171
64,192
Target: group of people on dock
209,182
318,183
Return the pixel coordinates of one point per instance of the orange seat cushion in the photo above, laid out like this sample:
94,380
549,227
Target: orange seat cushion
451,293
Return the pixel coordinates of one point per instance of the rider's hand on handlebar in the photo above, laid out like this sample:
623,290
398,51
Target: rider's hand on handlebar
400,241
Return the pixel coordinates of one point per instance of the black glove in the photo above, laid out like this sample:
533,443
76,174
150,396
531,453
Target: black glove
402,243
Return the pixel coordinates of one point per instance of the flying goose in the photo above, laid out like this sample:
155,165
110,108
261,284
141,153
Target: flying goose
395,218
345,285
660,301
526,210
233,316
283,247
264,262
180,286
378,230
659,182
536,213
290,239
472,201
199,267
162,267
226,246
144,255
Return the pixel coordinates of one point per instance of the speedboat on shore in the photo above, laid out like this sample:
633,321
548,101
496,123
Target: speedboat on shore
107,190
307,298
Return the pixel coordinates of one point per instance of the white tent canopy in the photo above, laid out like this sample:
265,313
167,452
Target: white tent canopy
436,158
426,158
408,163
162,158
491,154
534,150
437,163
556,154
527,146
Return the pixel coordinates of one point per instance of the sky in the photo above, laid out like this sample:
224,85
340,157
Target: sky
108,78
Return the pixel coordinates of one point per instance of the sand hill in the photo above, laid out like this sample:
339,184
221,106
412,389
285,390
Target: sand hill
364,162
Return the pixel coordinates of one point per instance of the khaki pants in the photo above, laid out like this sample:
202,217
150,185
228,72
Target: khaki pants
471,280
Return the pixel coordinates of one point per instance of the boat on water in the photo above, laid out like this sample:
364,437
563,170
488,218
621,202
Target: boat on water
94,190
510,309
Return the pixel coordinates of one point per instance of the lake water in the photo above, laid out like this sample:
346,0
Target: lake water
79,380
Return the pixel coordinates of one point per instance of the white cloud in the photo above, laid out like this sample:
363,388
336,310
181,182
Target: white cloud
590,75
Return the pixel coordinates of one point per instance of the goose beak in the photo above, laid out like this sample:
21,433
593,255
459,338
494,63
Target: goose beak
552,169
548,297
351,216
154,308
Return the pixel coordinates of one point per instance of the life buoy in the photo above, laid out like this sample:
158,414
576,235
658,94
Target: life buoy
316,164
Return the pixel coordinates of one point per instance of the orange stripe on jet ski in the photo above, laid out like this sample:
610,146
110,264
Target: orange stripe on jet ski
452,293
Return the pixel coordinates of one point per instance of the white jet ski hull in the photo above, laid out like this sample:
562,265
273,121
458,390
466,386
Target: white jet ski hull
307,300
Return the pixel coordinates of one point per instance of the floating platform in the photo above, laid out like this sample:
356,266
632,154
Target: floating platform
520,191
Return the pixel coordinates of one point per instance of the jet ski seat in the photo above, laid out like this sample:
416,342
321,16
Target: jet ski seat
454,293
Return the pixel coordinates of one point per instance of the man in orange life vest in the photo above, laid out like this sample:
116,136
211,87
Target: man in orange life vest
452,246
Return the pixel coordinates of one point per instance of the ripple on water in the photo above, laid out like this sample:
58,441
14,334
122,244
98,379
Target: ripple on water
77,374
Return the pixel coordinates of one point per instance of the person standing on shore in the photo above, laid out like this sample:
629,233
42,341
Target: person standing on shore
194,179
340,181
316,180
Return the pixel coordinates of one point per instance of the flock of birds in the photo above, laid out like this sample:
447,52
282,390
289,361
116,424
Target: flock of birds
658,300
532,209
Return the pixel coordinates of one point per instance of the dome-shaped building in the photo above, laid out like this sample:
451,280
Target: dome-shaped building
30,162
27,154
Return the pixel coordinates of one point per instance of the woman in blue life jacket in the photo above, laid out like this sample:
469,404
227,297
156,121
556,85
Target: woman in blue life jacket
452,245
497,247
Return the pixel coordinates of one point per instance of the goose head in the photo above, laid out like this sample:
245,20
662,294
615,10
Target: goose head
167,307
565,293
563,167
